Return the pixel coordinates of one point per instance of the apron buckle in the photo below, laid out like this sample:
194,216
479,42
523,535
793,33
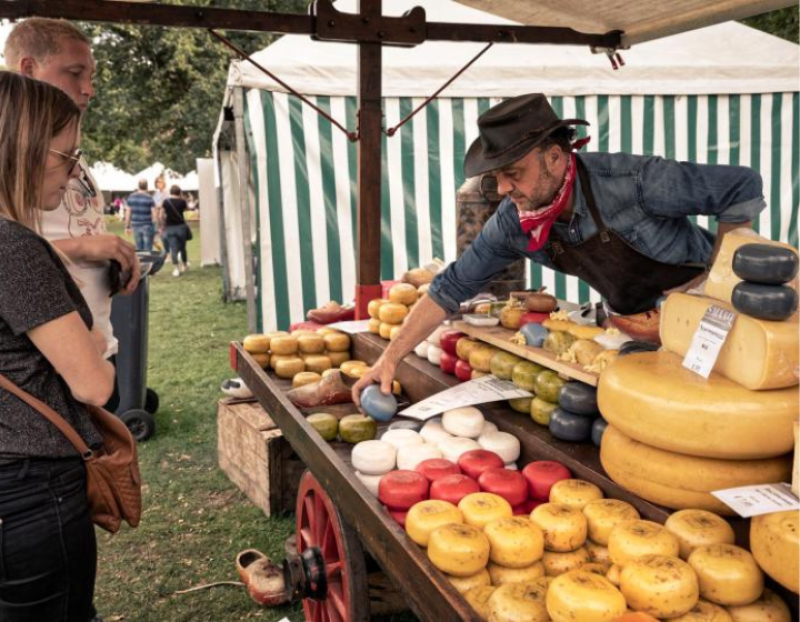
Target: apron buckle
557,248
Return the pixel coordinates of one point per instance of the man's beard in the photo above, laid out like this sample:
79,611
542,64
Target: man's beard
544,194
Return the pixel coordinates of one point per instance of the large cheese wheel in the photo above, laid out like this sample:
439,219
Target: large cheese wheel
581,596
501,575
465,584
728,574
775,543
602,515
757,354
426,516
651,397
516,542
481,508
564,528
515,602
655,474
459,550
695,528
664,587
637,538
769,608
705,611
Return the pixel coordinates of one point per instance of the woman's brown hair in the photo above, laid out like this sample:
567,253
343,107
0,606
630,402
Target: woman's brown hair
32,113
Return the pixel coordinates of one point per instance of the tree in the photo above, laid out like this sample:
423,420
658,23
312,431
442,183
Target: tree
784,23
160,90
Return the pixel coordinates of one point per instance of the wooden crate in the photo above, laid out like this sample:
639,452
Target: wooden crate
254,455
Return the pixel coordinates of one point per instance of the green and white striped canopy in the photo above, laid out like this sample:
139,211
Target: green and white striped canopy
303,173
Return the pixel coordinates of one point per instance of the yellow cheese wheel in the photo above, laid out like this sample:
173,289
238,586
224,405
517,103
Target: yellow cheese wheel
403,293
626,460
283,345
602,515
305,377
337,358
288,368
317,362
374,306
480,357
262,359
695,528
598,554
662,586
311,344
478,599
374,325
564,528
337,342
325,330
775,543
556,564
756,354
464,347
705,611
721,279
459,550
580,331
558,326
256,344
481,508
425,516
385,330
394,332
728,574
274,358
614,573
277,333
302,332
515,602
575,493
769,608
636,538
465,584
652,398
500,575
581,596
516,542
595,568
392,313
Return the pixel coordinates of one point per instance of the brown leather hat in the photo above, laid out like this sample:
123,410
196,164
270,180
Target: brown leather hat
510,130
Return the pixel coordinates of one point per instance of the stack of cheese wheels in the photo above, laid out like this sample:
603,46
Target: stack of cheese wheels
388,314
602,515
565,532
674,436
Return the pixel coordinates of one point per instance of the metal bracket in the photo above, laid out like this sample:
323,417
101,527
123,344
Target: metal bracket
333,25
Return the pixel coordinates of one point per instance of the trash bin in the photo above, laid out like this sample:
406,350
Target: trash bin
129,318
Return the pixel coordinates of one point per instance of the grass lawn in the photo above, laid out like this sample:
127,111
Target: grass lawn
195,520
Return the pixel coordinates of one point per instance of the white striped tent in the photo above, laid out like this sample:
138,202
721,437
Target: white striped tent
725,94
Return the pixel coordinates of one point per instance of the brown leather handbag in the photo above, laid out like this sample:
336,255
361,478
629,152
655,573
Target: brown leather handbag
113,484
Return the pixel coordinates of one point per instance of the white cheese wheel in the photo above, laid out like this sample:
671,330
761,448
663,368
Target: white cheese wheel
422,350
467,421
426,516
516,542
453,447
488,426
695,528
370,482
373,457
435,337
581,596
728,574
603,515
664,587
503,444
636,538
402,438
410,456
434,433
575,493
564,528
434,354
501,575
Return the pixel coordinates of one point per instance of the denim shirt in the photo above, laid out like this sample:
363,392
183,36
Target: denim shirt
646,200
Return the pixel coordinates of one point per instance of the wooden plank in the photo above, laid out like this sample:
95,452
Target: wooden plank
499,337
429,594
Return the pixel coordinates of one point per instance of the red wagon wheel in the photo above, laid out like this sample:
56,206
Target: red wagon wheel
319,524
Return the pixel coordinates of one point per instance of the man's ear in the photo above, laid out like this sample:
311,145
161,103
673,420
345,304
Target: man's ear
28,66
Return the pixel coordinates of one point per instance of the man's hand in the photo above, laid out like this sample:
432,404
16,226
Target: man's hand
103,248
382,373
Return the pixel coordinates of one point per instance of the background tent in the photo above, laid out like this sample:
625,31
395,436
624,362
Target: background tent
112,179
723,94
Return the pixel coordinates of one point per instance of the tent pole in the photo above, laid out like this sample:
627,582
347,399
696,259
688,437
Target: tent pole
227,294
244,195
369,165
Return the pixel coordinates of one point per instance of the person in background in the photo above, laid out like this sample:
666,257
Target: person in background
175,229
49,348
159,194
140,217
56,52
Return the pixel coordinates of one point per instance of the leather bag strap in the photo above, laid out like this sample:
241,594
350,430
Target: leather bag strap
51,415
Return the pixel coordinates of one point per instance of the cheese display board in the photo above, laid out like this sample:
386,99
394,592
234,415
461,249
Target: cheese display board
501,338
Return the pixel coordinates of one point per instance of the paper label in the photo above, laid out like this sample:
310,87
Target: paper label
749,501
480,391
708,339
351,328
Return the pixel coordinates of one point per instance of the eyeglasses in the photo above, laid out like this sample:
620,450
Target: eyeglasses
85,182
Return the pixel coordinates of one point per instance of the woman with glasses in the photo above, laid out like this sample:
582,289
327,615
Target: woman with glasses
48,348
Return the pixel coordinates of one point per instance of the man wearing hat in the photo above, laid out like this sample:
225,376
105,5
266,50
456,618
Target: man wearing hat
618,221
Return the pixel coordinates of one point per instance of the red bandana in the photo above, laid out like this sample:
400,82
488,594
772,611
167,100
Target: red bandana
537,224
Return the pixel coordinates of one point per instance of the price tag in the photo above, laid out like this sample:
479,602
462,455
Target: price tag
480,391
351,328
708,340
750,501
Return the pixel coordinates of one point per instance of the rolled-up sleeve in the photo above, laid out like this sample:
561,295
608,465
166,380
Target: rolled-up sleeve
670,189
488,255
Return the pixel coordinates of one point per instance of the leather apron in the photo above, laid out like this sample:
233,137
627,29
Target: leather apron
628,280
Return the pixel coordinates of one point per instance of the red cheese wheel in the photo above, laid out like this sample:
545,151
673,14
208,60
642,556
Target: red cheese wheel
526,507
399,516
448,340
436,468
399,490
533,317
447,363
476,461
463,371
453,488
511,485
541,476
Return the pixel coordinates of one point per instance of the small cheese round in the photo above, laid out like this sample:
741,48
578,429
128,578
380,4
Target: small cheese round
370,482
603,515
305,377
289,367
519,601
481,508
338,358
769,608
373,457
385,329
426,516
402,438
283,345
636,538
598,554
422,350
392,313
460,550
556,564
501,575
564,528
256,344
337,342
488,426
728,574
467,421
695,528
662,586
581,596
453,447
516,542
311,344
434,433
403,293
374,326
318,362
348,366
575,493
434,354
409,456
374,306
503,444
705,611
263,360
467,584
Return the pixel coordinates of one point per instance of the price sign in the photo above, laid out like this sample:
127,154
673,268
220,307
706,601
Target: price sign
708,340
